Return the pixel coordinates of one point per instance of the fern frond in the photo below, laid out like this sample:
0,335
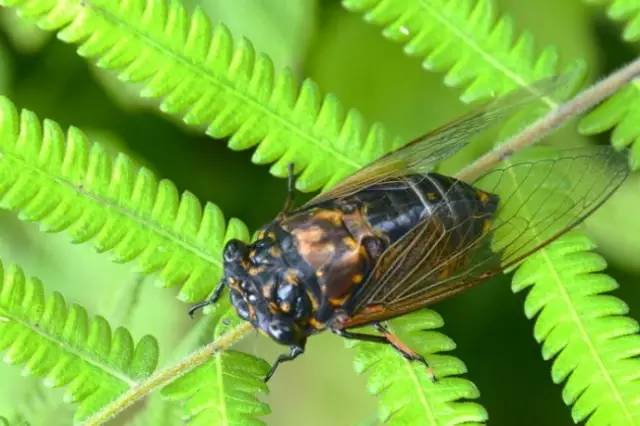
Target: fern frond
63,346
222,391
67,183
406,392
464,38
208,79
594,345
623,10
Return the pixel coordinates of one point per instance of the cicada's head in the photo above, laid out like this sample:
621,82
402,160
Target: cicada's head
265,290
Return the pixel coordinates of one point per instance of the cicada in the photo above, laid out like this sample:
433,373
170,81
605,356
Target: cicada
397,236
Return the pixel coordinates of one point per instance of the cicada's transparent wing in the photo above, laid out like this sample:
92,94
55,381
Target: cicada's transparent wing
424,153
540,198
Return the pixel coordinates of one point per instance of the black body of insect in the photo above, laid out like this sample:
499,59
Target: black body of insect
396,237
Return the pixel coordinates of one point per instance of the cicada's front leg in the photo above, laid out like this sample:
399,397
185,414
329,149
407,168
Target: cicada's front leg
294,352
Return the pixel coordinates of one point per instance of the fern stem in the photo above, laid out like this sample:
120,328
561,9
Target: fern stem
554,119
167,375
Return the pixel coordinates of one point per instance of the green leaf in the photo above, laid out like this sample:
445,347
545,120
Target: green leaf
59,343
621,113
407,394
465,39
623,10
595,347
222,391
70,184
210,80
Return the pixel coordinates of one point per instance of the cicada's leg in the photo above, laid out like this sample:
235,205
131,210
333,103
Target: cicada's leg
294,352
401,347
210,301
288,202
360,336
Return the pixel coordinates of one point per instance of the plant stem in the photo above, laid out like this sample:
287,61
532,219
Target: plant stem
167,375
554,119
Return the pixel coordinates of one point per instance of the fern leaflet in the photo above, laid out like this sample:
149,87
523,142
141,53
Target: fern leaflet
463,38
222,391
207,78
406,391
63,346
594,345
624,10
621,113
73,185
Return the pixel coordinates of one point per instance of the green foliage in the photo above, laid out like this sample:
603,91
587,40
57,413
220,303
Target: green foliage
63,346
624,10
73,185
621,113
594,345
463,38
40,405
406,390
172,67
222,391
209,80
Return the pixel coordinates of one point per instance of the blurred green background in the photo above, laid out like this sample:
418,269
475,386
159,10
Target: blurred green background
346,56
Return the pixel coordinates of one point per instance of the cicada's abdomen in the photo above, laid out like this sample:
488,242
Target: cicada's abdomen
392,209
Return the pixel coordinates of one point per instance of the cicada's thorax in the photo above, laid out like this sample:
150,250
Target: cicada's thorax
332,247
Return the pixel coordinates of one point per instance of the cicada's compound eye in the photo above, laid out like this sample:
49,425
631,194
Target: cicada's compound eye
234,251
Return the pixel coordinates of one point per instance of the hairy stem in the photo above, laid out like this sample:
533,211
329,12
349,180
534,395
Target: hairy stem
554,119
167,375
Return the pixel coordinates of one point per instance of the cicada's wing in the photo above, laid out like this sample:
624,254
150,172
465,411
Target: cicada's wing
424,153
539,199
